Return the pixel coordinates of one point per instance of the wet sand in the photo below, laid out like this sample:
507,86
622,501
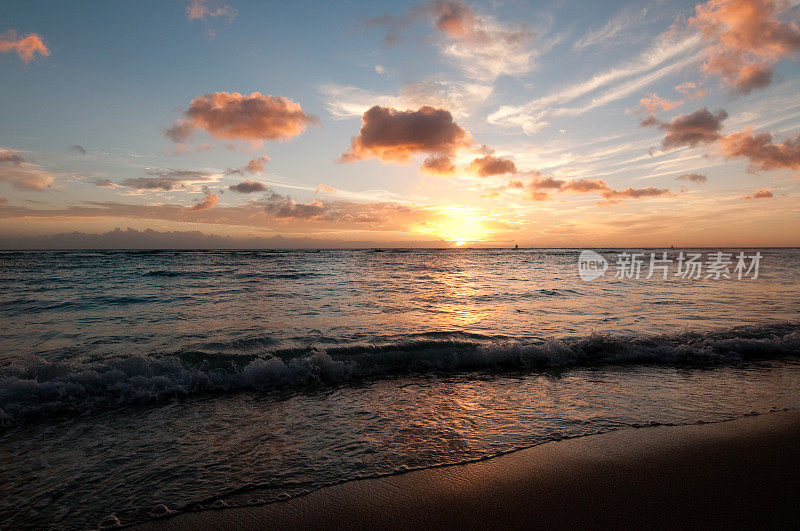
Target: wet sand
742,473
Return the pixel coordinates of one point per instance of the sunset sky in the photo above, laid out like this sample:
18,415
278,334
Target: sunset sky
400,123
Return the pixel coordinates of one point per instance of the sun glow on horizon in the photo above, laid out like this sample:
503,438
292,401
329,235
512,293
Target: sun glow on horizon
460,225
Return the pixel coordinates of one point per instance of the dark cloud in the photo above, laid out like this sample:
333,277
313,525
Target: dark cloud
153,239
699,127
395,136
633,193
762,153
80,150
167,180
11,157
284,207
694,177
490,165
536,184
248,187
540,182
234,116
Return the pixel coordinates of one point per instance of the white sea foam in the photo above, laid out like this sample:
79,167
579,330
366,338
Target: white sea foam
42,387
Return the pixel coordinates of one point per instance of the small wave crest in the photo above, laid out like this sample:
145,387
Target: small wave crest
44,388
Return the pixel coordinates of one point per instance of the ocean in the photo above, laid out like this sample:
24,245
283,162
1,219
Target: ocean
204,379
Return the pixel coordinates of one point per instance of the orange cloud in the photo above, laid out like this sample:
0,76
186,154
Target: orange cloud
761,152
654,103
26,47
699,127
3,200
759,194
200,9
535,195
536,184
254,166
438,165
745,39
691,90
490,165
248,187
456,19
233,116
26,178
22,174
395,136
584,185
208,203
483,47
257,164
541,182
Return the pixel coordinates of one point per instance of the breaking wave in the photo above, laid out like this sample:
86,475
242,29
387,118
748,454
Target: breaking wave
44,388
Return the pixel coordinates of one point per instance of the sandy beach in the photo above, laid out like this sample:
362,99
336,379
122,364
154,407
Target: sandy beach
741,473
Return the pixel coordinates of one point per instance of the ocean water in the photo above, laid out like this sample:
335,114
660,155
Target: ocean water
201,379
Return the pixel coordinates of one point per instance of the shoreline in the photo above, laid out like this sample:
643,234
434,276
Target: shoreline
743,472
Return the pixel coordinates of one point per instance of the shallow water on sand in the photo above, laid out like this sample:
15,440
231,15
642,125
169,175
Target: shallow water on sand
129,379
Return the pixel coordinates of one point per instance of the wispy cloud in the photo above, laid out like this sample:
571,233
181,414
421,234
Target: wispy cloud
166,180
345,101
666,56
614,29
479,45
209,10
